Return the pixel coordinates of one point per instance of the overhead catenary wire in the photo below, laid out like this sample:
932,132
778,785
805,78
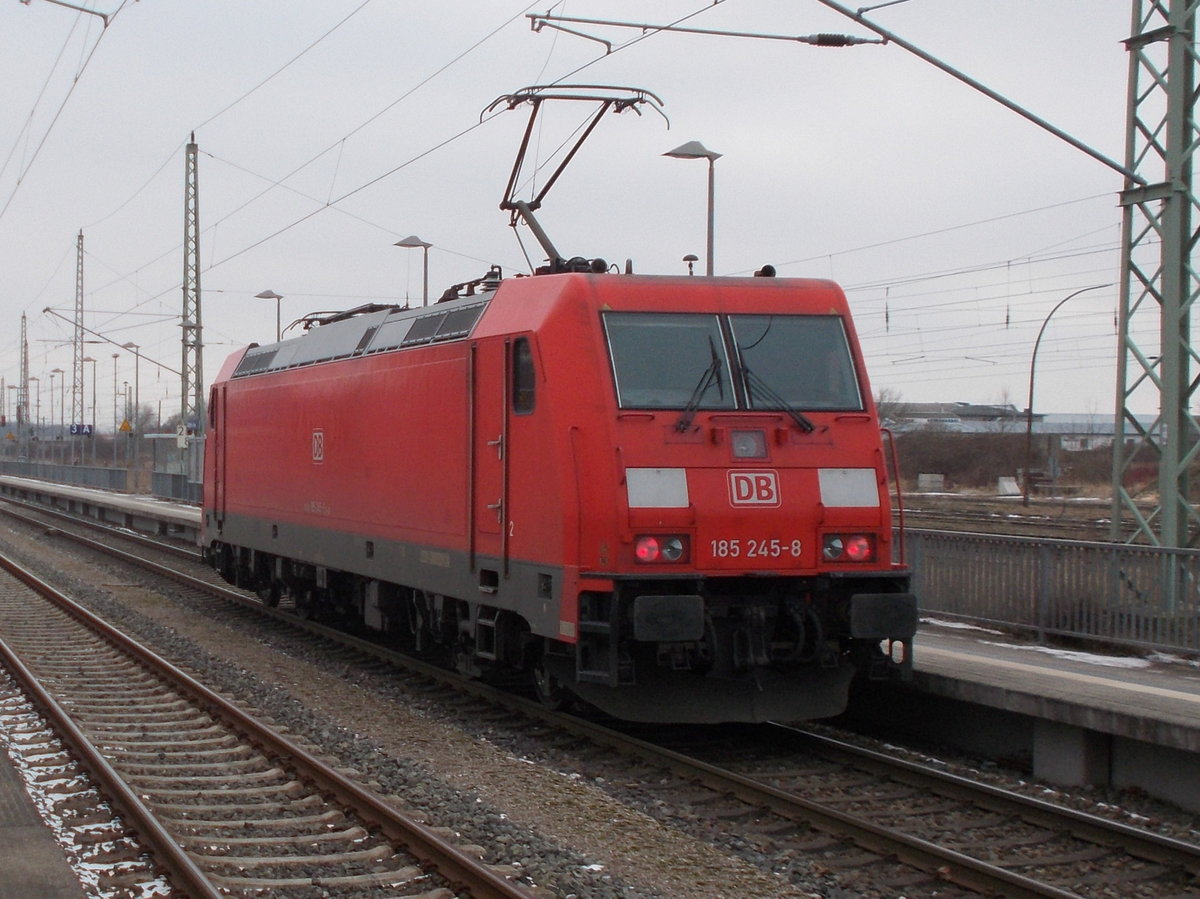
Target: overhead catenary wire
331,202
58,112
28,125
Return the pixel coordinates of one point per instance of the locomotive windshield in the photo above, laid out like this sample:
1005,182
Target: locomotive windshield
683,361
669,361
802,361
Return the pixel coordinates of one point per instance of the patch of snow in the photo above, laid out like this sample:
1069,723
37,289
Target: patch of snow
960,625
1086,657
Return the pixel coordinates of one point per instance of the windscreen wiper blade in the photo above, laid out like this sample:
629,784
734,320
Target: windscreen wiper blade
755,383
710,374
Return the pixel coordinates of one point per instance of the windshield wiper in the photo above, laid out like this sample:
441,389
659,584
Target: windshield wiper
754,382
710,374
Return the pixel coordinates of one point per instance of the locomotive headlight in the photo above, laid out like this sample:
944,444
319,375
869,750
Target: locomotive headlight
748,444
650,548
672,549
849,548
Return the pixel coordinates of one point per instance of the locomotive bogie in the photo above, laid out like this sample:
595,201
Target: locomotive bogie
664,496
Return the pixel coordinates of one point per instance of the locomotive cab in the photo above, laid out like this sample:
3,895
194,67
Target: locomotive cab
746,571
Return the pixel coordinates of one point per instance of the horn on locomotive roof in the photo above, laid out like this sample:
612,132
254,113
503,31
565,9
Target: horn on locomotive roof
609,97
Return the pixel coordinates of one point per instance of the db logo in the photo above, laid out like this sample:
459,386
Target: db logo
753,488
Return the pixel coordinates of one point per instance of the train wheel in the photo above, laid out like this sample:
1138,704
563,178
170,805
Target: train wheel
550,691
465,661
225,566
269,594
306,605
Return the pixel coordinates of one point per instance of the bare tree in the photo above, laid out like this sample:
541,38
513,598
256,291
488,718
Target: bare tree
891,410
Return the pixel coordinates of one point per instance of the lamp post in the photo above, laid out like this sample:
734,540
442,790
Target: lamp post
693,149
53,374
1032,366
37,413
116,421
93,416
271,295
62,385
137,398
411,243
12,388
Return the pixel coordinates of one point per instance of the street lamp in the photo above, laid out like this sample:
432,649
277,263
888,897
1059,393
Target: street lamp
272,295
93,416
1032,365
37,414
116,421
125,419
411,243
62,396
693,149
137,398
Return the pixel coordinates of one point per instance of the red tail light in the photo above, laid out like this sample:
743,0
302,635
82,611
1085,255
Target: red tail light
849,548
660,548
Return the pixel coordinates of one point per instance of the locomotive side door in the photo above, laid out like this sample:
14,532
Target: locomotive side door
489,452
216,426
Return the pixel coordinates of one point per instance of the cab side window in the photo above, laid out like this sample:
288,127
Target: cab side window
523,376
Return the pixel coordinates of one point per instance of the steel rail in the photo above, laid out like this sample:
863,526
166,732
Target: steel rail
954,867
1135,841
463,871
184,873
96,524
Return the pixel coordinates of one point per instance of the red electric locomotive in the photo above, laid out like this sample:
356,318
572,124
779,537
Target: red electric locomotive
665,495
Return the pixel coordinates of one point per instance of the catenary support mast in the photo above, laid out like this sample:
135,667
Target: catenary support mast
1157,359
192,370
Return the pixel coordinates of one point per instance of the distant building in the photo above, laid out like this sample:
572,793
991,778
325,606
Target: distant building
966,418
1077,432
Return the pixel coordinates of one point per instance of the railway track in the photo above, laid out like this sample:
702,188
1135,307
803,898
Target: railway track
953,828
791,793
1052,518
224,804
1060,523
106,855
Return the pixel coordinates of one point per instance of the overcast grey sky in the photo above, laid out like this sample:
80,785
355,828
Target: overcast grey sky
954,225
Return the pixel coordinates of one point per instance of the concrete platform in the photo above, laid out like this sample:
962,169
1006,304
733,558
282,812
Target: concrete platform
32,865
147,514
1071,718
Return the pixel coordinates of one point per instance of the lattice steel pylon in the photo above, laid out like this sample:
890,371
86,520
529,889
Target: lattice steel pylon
192,370
1159,285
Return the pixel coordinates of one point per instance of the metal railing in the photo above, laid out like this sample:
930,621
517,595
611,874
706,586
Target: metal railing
1136,596
177,474
76,475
